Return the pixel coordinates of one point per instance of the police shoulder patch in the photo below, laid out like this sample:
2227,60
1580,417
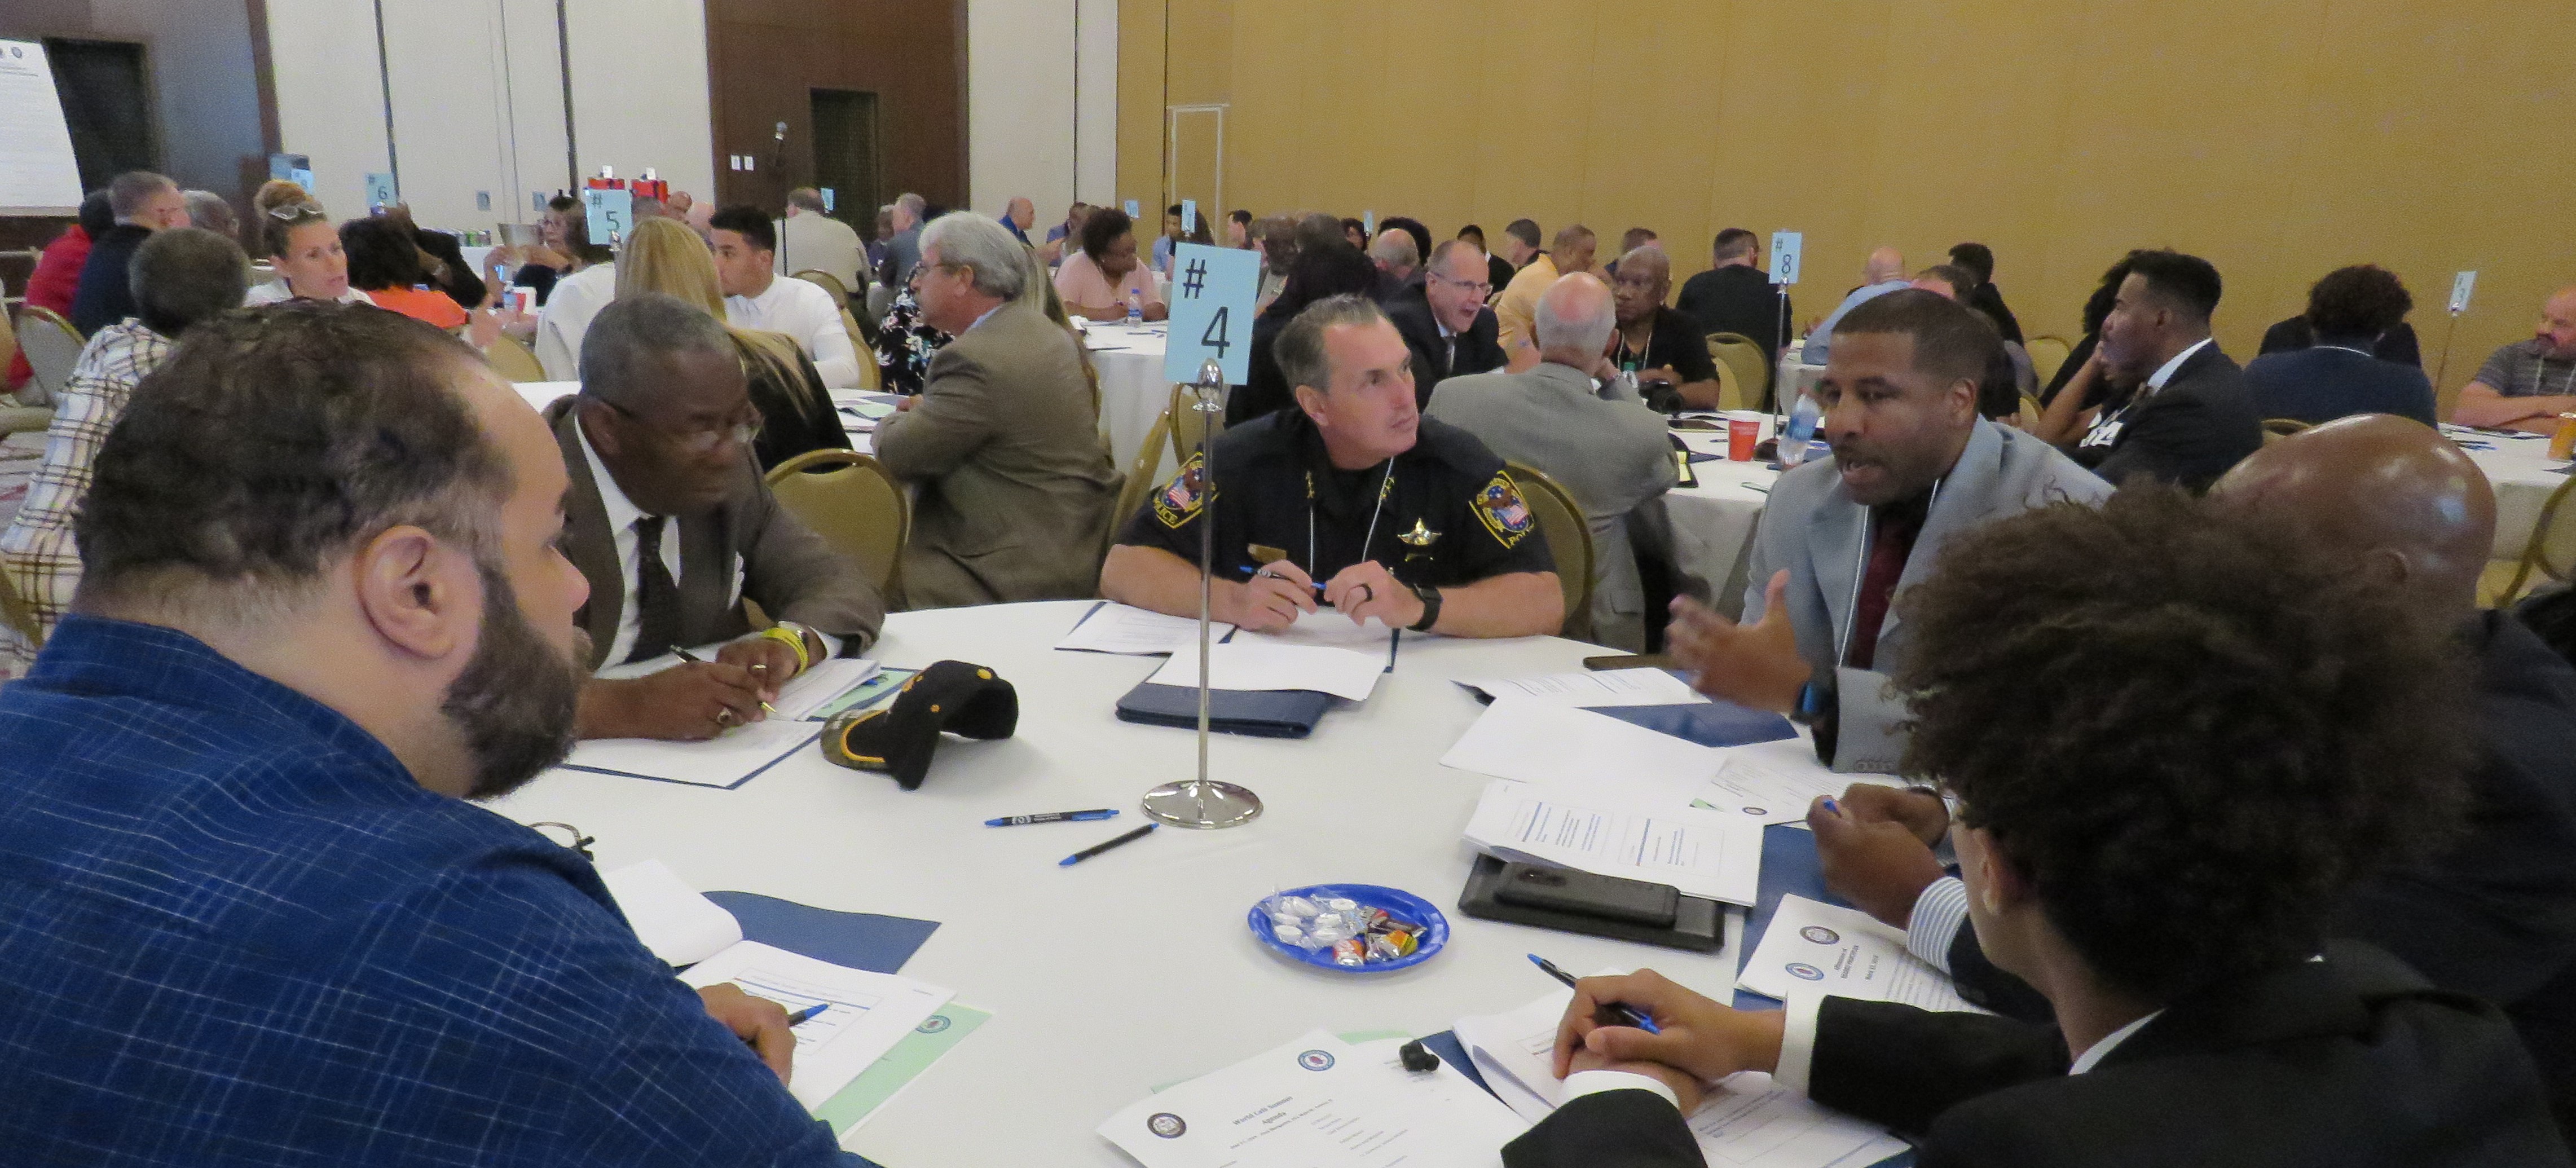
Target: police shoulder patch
1178,501
1504,513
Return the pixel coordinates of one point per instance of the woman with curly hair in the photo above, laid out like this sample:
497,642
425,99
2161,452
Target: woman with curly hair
2175,732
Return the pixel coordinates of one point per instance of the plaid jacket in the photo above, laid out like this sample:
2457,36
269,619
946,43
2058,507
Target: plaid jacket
37,550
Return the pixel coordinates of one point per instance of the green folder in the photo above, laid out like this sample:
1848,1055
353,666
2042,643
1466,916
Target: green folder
924,1046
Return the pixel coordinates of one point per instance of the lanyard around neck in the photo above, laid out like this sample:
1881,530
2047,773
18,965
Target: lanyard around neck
1385,483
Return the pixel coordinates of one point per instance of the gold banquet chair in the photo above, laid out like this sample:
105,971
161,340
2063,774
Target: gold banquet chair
1141,479
2551,554
15,613
856,505
1183,423
1569,539
1752,374
829,283
2047,356
509,357
53,348
2276,429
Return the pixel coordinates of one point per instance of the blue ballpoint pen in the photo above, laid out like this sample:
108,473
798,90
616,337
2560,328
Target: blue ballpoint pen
808,1014
1052,817
1634,1016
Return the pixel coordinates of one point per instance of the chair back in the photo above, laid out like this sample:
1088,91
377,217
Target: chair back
53,348
509,357
1731,391
855,504
829,283
2030,413
2047,356
880,298
15,613
9,345
1569,539
2551,554
1738,352
1187,426
2281,427
871,378
1140,478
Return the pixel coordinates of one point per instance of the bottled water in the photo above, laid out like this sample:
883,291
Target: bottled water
1802,431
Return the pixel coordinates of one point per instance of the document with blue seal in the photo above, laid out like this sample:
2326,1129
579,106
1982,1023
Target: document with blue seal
1319,1102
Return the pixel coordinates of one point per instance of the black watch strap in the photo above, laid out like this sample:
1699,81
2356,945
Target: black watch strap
1430,598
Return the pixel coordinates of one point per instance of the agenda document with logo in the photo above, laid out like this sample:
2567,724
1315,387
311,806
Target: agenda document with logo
1319,1102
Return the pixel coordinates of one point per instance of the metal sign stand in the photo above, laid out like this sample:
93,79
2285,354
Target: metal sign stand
1203,802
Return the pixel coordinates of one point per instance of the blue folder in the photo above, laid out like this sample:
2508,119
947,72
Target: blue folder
1290,713
1710,723
878,944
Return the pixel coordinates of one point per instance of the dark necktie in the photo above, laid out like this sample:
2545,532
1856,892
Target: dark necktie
1890,546
1449,362
657,598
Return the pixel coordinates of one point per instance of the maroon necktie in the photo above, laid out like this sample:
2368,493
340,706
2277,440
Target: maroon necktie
1891,543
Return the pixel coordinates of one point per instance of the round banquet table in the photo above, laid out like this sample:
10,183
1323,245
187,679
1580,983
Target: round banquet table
1132,390
1133,969
1713,524
2524,476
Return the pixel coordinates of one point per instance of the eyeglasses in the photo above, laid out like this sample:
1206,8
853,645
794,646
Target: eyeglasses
700,440
914,280
571,837
294,211
1480,288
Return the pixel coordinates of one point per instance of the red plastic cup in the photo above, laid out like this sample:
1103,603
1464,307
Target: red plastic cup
1743,433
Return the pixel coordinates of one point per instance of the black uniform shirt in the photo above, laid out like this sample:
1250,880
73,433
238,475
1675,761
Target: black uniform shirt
1451,515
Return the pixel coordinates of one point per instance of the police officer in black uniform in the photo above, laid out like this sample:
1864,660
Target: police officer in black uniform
1353,500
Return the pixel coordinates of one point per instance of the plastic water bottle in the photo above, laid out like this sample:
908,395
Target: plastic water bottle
1135,310
1801,432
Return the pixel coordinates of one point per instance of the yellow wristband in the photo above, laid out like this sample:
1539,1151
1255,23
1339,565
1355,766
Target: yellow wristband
793,640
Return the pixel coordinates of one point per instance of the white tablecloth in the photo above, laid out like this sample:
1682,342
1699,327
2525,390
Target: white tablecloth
1133,969
1713,523
2523,475
1132,390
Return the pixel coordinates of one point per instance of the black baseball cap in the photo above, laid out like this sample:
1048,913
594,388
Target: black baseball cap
898,738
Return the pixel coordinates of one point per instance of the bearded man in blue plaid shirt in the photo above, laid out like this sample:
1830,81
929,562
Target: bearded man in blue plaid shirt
254,914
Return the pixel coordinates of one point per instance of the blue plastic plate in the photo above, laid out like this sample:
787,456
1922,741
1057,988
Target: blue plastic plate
1402,905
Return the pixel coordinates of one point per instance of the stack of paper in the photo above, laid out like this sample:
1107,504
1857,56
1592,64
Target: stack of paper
866,1016
1331,628
1110,627
1318,1102
727,760
1700,852
1534,739
1608,687
1250,664
1816,948
1747,1119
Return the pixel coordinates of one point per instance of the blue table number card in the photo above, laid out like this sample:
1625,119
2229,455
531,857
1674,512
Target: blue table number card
1213,289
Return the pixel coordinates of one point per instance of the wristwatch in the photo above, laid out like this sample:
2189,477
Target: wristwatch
1430,598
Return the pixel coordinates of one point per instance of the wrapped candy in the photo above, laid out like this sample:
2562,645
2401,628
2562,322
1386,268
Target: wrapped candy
1358,934
1350,953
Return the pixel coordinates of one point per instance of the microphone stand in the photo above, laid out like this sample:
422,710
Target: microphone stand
1203,802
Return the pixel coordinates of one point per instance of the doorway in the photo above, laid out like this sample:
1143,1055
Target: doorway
107,103
846,157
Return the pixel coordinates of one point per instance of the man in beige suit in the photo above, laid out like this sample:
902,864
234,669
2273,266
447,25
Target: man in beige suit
1013,491
668,519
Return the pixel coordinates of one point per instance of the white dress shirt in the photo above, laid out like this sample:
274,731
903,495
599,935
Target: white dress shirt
2106,429
567,315
805,312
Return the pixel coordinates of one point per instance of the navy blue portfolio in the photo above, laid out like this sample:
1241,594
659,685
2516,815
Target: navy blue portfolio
1289,713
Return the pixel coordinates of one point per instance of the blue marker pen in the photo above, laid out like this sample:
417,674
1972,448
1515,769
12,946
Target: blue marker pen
808,1014
1052,817
1630,1014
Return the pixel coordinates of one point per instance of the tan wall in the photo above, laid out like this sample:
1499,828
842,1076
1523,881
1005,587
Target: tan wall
2278,138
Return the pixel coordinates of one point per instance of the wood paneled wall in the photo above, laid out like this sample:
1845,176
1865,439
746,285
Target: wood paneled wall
2278,138
765,55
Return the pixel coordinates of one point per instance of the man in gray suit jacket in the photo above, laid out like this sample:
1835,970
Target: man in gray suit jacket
1605,447
1913,465
1014,491
669,521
